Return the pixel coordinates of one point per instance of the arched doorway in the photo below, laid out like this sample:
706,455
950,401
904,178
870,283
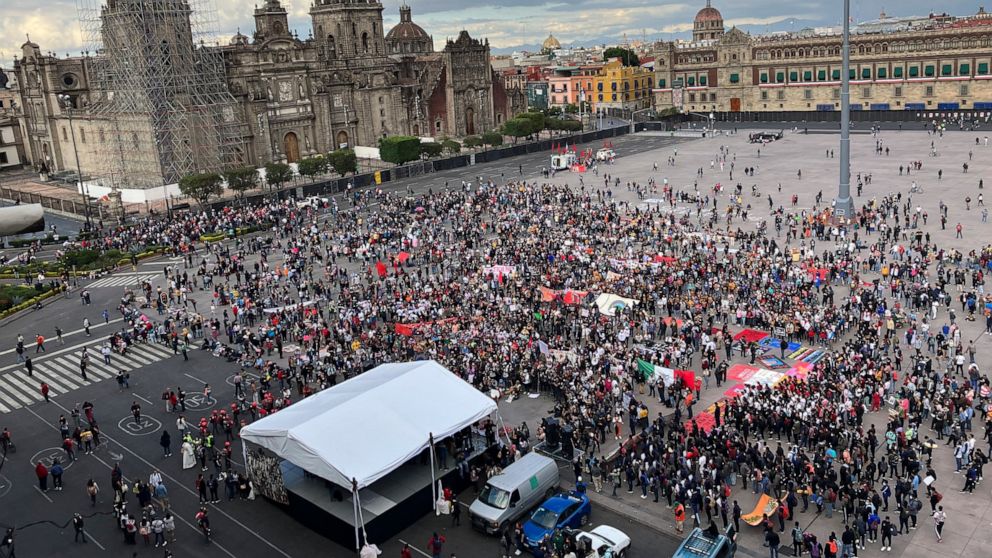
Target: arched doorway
469,121
291,146
342,139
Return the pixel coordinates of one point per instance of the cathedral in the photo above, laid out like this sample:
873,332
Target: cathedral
348,84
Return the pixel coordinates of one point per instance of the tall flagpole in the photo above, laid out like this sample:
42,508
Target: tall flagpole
843,205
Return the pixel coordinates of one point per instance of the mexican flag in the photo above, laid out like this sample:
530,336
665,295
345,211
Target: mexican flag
649,371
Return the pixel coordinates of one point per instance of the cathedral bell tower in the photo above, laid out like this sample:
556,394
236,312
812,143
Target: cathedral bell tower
271,21
349,29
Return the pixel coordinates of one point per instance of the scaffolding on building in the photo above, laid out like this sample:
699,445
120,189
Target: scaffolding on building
159,82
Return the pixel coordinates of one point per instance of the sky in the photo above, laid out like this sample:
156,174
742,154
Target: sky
508,24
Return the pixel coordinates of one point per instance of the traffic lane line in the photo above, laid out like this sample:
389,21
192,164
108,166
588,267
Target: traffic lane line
110,467
64,335
181,485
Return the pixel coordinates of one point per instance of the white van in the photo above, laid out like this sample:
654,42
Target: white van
506,497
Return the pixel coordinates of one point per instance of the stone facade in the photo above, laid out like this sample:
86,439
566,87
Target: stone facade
348,84
926,64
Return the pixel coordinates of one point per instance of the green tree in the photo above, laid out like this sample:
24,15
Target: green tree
472,142
311,167
627,57
201,187
431,149
451,146
536,119
344,161
277,174
241,179
571,109
492,138
518,128
399,149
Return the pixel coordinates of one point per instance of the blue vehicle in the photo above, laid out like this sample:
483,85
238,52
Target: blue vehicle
566,510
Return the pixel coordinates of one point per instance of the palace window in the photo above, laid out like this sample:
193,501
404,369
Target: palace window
881,72
947,70
807,94
780,94
897,91
983,68
897,72
964,70
929,91
964,90
929,71
866,92
764,95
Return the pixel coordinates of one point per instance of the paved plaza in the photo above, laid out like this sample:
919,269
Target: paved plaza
257,528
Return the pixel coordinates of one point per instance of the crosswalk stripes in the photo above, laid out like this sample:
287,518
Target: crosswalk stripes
123,280
62,374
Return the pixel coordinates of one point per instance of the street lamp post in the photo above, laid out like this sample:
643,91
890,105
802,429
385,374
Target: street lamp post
66,102
843,205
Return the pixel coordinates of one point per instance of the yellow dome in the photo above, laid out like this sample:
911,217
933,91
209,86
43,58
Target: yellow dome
551,43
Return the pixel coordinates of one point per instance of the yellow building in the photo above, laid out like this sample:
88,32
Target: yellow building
620,88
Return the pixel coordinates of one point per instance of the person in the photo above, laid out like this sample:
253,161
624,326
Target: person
771,536
56,471
29,366
169,522
44,391
405,552
166,442
158,529
86,326
203,520
42,473
679,517
136,412
92,489
77,526
435,546
456,513
797,540
939,517
886,530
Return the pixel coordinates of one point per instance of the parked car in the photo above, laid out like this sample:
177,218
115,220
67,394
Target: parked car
564,511
602,538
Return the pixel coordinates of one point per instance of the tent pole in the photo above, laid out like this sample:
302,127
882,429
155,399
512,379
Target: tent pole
354,504
502,428
361,518
433,478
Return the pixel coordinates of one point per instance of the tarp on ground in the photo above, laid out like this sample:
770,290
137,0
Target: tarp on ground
368,426
766,505
608,304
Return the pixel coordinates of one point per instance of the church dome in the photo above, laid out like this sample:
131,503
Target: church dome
406,29
239,39
551,43
708,14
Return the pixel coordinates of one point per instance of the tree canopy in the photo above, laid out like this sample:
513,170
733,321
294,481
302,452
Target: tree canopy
343,161
241,179
399,149
627,57
201,187
277,174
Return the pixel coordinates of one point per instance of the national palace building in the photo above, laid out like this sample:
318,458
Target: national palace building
935,62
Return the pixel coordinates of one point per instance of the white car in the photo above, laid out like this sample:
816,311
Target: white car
605,537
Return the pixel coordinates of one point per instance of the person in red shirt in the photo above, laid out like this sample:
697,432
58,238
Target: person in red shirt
42,473
406,553
44,391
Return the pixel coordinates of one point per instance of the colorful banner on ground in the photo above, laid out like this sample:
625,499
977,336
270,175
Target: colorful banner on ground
608,304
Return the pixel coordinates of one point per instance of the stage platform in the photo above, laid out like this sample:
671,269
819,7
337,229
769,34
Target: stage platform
388,505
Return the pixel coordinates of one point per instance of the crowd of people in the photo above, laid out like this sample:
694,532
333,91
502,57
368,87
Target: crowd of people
497,280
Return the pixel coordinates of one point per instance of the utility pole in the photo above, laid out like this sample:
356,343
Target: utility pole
843,205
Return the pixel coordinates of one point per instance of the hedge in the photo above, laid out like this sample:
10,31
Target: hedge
29,303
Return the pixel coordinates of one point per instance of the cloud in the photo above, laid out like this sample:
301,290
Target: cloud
53,24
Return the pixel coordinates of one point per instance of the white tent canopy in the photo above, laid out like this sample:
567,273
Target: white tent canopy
368,426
